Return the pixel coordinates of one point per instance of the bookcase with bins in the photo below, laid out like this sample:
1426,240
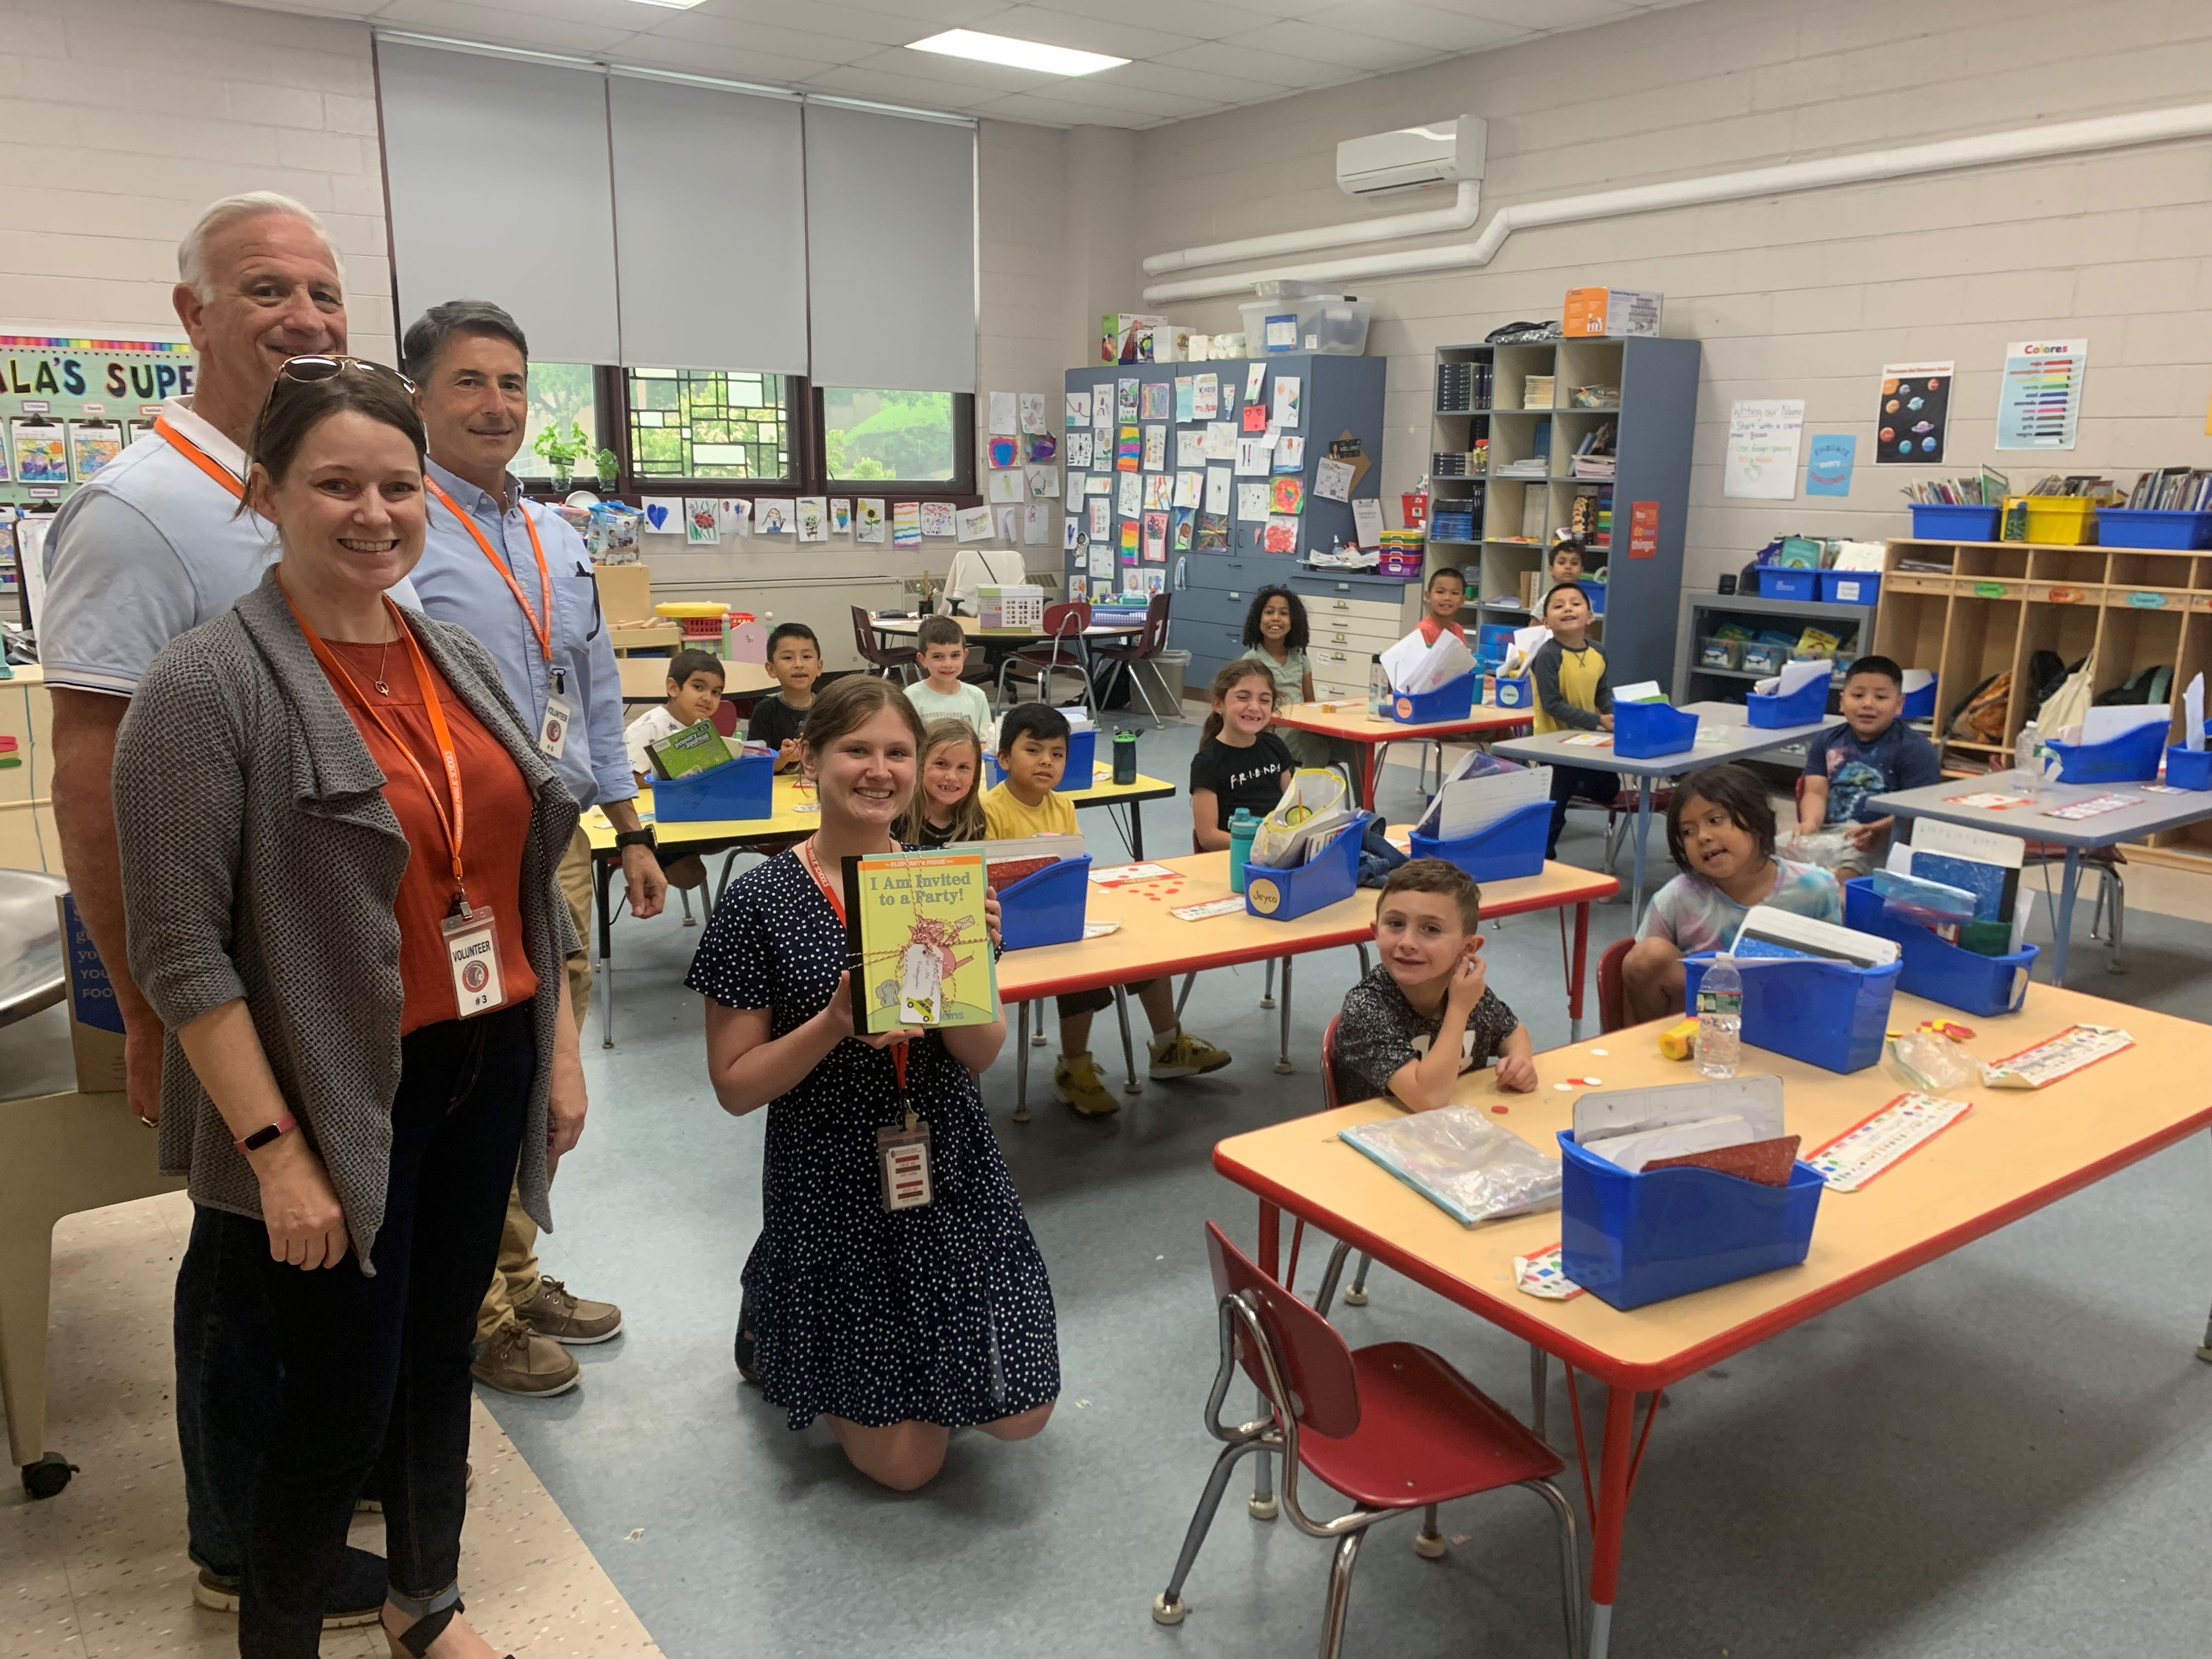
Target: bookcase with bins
1986,608
1652,423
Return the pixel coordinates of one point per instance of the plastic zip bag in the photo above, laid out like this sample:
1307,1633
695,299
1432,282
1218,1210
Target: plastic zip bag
1471,1168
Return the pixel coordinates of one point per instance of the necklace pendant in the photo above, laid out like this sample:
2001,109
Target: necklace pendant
382,690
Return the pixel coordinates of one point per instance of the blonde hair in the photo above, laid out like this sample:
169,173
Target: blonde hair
968,812
1231,676
216,217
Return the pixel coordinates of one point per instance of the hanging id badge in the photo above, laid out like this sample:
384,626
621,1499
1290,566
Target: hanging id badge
553,736
473,950
902,1151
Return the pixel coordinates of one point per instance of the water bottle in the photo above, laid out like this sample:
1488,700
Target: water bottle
2027,758
1243,826
1720,1018
1125,757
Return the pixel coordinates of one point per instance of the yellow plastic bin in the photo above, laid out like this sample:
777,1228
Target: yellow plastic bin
700,621
2057,521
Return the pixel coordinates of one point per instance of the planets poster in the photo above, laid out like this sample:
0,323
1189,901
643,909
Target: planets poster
1912,414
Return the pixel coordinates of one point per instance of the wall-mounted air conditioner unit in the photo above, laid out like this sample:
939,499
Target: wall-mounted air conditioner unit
1411,158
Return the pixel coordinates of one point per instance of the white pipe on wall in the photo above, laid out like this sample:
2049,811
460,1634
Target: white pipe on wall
1983,149
1465,210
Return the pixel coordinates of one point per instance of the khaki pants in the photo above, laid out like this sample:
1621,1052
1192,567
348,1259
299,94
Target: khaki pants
515,1279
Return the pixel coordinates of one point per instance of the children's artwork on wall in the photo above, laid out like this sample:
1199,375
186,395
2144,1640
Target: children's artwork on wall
702,521
1179,530
663,514
1251,503
1102,518
1255,418
937,519
1188,488
1033,415
1913,412
1212,533
1153,400
1079,409
1829,471
1217,482
972,524
1251,458
733,516
1332,479
1129,449
1037,524
1009,520
1042,446
1128,538
1159,489
1186,397
1125,398
1131,500
1256,376
1149,582
772,517
1073,538
1190,449
1002,413
1289,496
1004,452
813,516
1044,483
1156,448
93,444
1156,538
906,523
1287,401
868,520
1101,408
1101,564
841,515
1220,440
1098,483
1206,398
1079,451
1006,487
1282,536
1290,453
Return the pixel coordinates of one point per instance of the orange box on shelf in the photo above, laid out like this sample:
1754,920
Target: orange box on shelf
1610,311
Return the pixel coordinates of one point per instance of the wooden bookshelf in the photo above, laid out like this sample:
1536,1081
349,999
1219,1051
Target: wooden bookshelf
1993,604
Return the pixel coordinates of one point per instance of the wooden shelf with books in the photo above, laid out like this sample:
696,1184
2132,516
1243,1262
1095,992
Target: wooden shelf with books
1971,609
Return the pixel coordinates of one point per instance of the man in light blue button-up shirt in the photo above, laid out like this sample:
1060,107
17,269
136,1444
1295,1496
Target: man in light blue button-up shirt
516,575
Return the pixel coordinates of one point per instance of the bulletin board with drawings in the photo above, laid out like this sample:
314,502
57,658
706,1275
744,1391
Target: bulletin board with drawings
67,406
1170,462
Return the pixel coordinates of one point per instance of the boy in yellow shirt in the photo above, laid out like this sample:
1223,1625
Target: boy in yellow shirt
1572,690
1033,754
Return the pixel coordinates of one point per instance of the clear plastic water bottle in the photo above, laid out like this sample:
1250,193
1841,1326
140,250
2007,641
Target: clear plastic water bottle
1720,1018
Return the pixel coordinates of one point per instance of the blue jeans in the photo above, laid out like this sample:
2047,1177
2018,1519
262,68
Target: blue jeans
228,1377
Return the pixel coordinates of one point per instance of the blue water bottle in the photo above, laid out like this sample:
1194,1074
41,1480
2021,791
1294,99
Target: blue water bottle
1243,826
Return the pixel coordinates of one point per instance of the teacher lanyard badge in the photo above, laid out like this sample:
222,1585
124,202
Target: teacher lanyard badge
553,731
471,946
902,1150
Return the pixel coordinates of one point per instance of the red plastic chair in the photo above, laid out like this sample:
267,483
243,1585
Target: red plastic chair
1393,1427
1612,995
1150,642
1062,625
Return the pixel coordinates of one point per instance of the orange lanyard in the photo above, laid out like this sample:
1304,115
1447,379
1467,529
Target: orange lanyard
199,458
543,629
838,905
452,824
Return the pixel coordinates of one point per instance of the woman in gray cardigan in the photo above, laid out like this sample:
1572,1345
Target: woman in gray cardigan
338,847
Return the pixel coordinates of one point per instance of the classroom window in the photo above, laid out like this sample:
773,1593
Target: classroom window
708,423
560,394
911,437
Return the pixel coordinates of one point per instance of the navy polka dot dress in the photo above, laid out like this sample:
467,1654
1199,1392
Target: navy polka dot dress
942,1314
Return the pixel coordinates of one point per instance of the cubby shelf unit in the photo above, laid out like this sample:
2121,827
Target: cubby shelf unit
1993,604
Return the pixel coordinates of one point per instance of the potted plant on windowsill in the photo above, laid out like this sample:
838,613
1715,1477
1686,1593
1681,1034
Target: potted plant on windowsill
559,451
609,470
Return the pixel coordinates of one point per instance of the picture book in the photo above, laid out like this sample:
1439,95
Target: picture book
698,748
920,951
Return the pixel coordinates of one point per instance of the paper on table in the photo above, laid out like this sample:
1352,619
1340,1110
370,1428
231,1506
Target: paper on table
1795,676
1524,645
2192,712
2103,725
1414,665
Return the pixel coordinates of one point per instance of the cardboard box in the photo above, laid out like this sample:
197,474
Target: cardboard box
95,1019
1119,334
1610,311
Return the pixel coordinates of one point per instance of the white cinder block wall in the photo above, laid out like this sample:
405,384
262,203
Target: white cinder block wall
119,119
1805,296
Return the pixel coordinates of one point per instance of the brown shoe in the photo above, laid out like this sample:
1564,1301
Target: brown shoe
552,1311
517,1360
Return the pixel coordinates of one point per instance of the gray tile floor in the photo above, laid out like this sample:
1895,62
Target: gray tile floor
2008,1453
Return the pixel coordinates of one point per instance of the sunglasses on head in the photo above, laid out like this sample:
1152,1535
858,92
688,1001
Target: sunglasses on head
307,370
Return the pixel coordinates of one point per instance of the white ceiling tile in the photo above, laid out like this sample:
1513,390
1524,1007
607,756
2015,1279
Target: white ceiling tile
930,68
1344,48
1269,68
1087,32
884,86
763,38
856,21
1042,109
485,24
1205,86
1423,24
1548,16
1207,20
1083,92
761,68
625,15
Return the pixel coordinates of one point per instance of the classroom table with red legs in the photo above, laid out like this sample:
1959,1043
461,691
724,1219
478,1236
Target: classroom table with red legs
1351,722
2012,1154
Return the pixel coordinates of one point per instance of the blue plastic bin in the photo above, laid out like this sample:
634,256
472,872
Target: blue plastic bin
1518,692
1851,586
1634,1237
1514,845
1936,968
1046,907
2122,526
1645,731
744,788
1938,521
1082,754
1452,701
1921,704
1825,1012
1333,873
1596,591
1777,583
2132,757
1807,704
2187,768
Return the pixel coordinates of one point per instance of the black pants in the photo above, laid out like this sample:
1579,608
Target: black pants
1575,783
376,1370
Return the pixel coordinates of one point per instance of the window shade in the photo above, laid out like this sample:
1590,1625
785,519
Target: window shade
712,277
890,217
500,190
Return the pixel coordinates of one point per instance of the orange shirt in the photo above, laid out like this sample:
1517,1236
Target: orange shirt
497,826
1432,630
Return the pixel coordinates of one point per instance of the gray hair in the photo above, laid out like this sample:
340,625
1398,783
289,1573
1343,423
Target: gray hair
191,252
427,334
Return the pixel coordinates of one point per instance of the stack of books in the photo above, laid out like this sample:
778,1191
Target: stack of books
1536,392
1463,387
2172,489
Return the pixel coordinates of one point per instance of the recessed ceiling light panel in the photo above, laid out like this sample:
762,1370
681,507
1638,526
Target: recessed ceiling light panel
672,5
1011,53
